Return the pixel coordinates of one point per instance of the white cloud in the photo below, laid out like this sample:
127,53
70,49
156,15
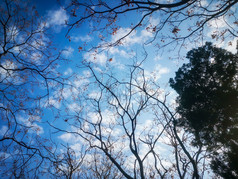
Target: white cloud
68,52
116,132
80,81
129,40
93,117
230,46
86,73
36,58
161,70
69,71
66,93
203,3
133,38
31,123
154,21
94,94
8,75
74,107
112,53
85,38
156,73
98,69
12,33
108,117
145,34
69,137
3,130
78,148
114,50
96,58
157,58
217,23
4,155
53,103
121,53
57,18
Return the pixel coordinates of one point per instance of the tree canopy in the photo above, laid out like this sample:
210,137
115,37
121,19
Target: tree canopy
207,103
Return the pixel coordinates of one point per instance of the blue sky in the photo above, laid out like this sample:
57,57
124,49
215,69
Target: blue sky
159,66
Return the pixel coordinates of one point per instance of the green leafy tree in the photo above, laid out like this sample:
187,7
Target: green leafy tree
208,100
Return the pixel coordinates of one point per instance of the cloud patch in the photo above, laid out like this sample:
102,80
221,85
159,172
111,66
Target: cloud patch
85,38
68,52
57,19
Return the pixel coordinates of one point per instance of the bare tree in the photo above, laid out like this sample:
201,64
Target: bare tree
81,161
128,118
67,163
179,22
129,102
28,62
99,166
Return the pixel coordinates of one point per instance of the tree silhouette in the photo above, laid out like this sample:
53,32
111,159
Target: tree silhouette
208,100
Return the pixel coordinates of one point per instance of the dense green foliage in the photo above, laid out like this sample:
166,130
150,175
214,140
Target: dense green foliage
208,104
